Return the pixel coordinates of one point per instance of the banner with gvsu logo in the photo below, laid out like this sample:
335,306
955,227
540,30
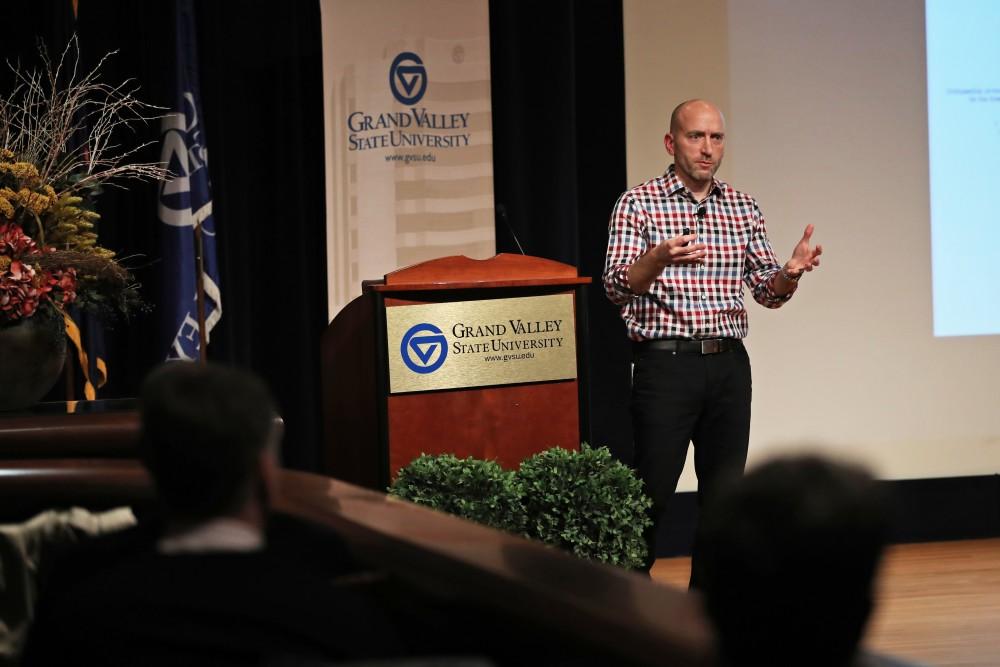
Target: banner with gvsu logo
480,343
409,141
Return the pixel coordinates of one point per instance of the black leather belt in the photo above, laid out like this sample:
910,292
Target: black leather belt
689,345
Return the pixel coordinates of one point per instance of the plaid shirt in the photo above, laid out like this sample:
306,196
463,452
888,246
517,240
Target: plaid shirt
690,301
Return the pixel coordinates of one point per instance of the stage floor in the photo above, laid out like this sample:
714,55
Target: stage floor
938,603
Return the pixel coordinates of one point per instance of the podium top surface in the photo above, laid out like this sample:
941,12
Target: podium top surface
460,272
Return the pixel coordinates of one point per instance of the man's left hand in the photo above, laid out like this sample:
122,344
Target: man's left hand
805,257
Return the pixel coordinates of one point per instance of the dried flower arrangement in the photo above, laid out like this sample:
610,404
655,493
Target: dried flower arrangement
60,144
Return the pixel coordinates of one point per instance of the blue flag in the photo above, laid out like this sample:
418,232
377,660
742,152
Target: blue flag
186,203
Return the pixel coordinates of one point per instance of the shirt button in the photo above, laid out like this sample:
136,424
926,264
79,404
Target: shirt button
704,296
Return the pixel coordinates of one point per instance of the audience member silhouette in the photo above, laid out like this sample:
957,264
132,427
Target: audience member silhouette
206,585
790,554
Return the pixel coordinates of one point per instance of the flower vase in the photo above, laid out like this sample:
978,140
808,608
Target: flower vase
32,353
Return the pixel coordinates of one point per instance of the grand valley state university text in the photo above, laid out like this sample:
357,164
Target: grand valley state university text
360,122
516,327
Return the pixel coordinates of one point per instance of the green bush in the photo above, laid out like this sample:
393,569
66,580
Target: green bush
470,488
586,502
582,501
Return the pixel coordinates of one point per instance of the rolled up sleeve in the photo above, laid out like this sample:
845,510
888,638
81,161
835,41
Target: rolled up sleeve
626,243
761,267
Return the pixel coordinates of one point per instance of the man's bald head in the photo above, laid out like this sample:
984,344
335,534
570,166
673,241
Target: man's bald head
693,105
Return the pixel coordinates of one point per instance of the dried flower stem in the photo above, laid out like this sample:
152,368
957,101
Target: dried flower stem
41,119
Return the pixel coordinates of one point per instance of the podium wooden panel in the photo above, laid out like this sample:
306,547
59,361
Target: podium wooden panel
370,433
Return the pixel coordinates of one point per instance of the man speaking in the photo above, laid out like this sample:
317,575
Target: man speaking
680,249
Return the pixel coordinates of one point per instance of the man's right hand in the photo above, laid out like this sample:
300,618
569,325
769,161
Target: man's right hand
679,250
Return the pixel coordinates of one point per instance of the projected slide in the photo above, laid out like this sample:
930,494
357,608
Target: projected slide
963,112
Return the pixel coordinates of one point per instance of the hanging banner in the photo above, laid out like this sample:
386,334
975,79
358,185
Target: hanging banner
409,155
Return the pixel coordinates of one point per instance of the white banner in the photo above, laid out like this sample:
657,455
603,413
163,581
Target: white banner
409,142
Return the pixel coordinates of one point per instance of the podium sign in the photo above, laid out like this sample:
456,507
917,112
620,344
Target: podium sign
480,343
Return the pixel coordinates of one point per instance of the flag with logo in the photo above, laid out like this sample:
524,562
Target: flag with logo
191,271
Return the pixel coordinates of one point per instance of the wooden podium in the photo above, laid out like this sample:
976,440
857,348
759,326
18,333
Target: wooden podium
439,358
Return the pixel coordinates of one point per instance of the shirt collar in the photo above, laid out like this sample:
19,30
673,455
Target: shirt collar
222,534
673,184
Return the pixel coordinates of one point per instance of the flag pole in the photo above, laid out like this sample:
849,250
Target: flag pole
199,267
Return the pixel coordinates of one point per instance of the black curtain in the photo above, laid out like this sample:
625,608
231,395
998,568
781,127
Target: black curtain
262,84
558,86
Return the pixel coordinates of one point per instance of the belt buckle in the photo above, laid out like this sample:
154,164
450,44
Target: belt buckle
712,346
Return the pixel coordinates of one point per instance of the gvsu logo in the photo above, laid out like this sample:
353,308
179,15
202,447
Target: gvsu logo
408,78
424,348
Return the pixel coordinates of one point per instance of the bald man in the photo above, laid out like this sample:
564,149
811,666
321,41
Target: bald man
680,249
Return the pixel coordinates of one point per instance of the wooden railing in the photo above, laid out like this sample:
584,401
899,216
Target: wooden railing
620,614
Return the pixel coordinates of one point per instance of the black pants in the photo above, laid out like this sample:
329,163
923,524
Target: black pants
686,397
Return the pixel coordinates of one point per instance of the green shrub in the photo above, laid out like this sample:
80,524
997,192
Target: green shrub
470,488
587,503
581,501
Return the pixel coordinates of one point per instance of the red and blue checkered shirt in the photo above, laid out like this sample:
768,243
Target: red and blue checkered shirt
690,301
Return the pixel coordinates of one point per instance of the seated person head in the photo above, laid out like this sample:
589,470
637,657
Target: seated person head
790,554
209,438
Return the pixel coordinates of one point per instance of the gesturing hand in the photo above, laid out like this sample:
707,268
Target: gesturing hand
679,250
805,257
